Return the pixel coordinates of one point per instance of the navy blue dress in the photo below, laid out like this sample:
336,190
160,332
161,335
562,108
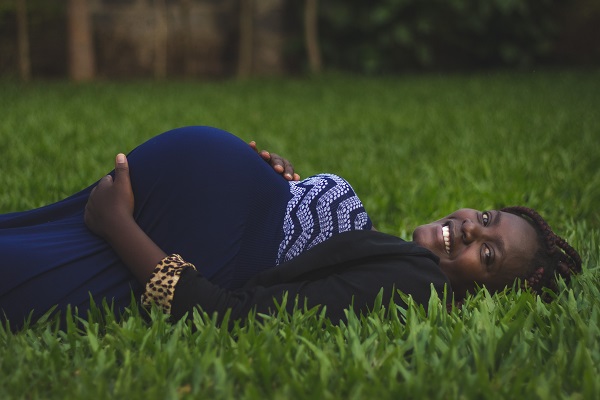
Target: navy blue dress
199,192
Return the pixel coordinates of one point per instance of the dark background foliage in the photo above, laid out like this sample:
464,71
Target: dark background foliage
372,37
390,35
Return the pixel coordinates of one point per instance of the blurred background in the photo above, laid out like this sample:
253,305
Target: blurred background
215,39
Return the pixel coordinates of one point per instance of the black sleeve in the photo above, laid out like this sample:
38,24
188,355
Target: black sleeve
357,285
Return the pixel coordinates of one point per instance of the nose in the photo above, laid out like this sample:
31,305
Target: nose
469,230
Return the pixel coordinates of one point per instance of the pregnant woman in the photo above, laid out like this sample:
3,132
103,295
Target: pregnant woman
194,217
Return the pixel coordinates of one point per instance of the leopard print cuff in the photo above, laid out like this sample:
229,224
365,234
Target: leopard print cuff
161,286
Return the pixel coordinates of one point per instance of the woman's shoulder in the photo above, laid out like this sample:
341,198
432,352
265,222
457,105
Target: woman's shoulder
373,243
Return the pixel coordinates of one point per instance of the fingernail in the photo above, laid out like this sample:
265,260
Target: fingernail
120,158
288,176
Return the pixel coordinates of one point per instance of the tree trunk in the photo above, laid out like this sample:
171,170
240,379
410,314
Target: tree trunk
160,39
311,35
186,28
268,37
246,45
81,50
23,41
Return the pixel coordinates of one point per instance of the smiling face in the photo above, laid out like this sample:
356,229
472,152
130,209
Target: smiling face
490,248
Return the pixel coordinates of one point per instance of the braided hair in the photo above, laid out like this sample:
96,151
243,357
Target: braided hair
555,257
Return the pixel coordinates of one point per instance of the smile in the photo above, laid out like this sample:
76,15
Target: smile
446,235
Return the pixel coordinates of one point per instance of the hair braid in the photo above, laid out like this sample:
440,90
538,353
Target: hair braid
555,255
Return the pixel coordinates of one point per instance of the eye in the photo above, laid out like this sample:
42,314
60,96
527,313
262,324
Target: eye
485,217
487,254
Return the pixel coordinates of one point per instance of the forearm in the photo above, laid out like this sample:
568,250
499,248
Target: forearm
335,292
136,249
356,286
109,214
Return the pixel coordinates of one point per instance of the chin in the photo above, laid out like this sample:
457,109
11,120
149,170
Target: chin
421,237
415,235
427,236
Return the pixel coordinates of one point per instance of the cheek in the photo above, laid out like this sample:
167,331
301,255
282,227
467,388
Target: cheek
462,268
461,279
452,272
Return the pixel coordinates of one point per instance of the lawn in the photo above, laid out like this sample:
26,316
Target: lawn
415,148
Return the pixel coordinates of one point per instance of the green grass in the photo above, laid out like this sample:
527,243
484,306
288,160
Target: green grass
415,148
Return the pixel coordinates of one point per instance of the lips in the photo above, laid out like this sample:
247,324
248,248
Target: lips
447,237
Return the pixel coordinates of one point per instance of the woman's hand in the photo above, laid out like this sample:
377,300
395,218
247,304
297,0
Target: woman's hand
109,214
110,204
279,164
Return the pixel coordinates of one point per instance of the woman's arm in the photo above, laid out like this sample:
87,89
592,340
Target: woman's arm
351,286
109,214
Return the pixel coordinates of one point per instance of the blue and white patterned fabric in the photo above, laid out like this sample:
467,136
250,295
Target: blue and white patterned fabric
320,207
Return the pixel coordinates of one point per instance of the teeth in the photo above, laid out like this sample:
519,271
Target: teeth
446,234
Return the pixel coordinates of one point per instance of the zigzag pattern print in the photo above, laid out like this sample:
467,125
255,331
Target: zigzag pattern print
320,207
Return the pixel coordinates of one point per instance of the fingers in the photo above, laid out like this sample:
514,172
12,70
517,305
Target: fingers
279,164
283,166
265,155
121,165
105,181
121,169
253,146
288,170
